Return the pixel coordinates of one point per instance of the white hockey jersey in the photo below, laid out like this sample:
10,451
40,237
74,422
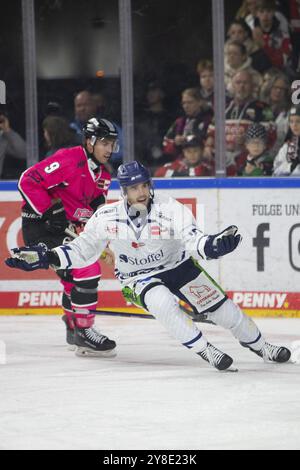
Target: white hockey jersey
157,241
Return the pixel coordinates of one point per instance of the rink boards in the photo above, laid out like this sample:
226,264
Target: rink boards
262,275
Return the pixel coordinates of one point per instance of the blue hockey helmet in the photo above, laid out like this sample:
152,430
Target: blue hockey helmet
133,173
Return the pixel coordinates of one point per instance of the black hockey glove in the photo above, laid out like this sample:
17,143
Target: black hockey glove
29,258
222,243
55,219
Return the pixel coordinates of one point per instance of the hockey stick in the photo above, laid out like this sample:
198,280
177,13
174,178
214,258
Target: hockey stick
122,314
70,233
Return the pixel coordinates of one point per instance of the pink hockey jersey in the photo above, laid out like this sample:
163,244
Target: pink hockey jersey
65,175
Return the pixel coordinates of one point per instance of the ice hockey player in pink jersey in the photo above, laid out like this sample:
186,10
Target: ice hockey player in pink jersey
62,192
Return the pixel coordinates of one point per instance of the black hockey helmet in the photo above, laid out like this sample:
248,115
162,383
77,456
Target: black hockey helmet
99,129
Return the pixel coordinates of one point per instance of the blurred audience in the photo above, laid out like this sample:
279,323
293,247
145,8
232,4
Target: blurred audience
248,11
255,161
277,95
240,32
151,124
241,112
195,121
87,105
57,134
191,163
287,161
205,72
268,34
294,11
267,77
12,149
236,60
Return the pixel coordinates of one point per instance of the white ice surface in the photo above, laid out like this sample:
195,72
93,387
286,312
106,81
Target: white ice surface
154,395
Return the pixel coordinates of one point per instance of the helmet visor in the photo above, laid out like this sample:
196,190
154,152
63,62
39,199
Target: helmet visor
115,147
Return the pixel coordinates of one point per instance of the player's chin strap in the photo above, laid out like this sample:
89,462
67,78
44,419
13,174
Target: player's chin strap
93,163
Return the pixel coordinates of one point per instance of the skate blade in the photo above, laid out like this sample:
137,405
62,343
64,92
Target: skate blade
86,352
71,347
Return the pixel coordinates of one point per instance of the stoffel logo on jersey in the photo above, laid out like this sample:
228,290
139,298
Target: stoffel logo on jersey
152,258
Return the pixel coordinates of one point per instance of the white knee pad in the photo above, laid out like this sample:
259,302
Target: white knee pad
231,317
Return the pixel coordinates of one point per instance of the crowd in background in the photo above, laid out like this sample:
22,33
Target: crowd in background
261,60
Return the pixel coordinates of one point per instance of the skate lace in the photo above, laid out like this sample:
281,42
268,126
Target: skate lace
212,355
93,335
269,351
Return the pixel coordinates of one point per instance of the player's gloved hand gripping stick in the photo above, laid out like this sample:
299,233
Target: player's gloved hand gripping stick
56,219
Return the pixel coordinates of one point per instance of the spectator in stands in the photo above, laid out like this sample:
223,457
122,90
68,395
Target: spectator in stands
248,12
190,164
12,149
267,33
287,161
57,134
196,119
151,124
277,95
53,108
256,161
86,106
242,111
206,78
240,32
294,10
267,77
236,59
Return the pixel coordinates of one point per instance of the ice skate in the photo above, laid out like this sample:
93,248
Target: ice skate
216,358
69,334
270,352
89,342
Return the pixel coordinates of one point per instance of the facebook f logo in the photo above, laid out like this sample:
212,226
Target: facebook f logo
2,92
260,242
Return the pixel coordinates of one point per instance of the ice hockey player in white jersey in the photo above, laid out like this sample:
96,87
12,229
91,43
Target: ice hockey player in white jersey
157,245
